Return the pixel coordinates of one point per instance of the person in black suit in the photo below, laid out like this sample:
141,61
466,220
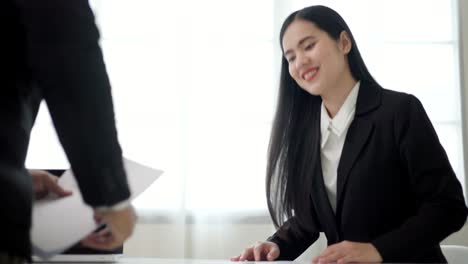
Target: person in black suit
50,50
348,158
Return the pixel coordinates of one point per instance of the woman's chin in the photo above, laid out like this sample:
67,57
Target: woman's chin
316,91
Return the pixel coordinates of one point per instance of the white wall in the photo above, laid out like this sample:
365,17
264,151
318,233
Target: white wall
463,16
461,238
217,241
207,241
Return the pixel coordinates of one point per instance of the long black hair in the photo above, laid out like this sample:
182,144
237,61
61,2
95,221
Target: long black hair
293,143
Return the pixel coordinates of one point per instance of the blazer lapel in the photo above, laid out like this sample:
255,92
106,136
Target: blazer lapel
319,194
360,130
322,205
357,136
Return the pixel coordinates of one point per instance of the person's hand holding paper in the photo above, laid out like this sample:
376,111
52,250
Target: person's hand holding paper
45,184
61,223
119,225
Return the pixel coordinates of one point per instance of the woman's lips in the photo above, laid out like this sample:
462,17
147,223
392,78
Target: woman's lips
310,74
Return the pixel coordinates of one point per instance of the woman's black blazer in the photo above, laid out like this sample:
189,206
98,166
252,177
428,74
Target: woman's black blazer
396,188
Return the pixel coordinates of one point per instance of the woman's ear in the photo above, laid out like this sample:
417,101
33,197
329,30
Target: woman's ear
345,43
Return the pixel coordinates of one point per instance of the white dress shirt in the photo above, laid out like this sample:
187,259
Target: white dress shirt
116,207
333,134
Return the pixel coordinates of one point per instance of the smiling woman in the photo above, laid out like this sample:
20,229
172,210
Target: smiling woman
351,159
194,92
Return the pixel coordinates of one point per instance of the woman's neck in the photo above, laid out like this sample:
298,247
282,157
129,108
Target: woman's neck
338,94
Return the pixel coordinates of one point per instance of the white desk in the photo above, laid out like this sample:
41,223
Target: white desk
178,261
191,261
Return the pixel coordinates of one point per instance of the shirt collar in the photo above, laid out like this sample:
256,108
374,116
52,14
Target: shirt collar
345,115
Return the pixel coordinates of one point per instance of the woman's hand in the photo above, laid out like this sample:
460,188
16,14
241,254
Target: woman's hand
260,251
347,251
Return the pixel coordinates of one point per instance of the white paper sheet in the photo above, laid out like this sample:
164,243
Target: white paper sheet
58,224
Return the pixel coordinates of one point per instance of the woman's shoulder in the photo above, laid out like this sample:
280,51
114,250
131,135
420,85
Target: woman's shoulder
388,102
399,99
396,95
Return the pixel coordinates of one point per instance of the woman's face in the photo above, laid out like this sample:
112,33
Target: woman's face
316,61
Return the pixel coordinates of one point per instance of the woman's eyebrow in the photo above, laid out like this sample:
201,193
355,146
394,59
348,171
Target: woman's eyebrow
299,43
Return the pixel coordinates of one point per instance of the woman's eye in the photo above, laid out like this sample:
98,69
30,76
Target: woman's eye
290,59
309,46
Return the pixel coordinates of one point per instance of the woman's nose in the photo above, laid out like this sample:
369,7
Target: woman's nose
301,60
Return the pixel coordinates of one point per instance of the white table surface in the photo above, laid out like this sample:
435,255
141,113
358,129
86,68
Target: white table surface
125,260
191,261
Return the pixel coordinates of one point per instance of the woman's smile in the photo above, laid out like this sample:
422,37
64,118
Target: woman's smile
310,74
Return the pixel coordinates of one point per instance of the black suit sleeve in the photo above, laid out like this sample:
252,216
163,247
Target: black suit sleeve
294,237
291,243
67,64
432,180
